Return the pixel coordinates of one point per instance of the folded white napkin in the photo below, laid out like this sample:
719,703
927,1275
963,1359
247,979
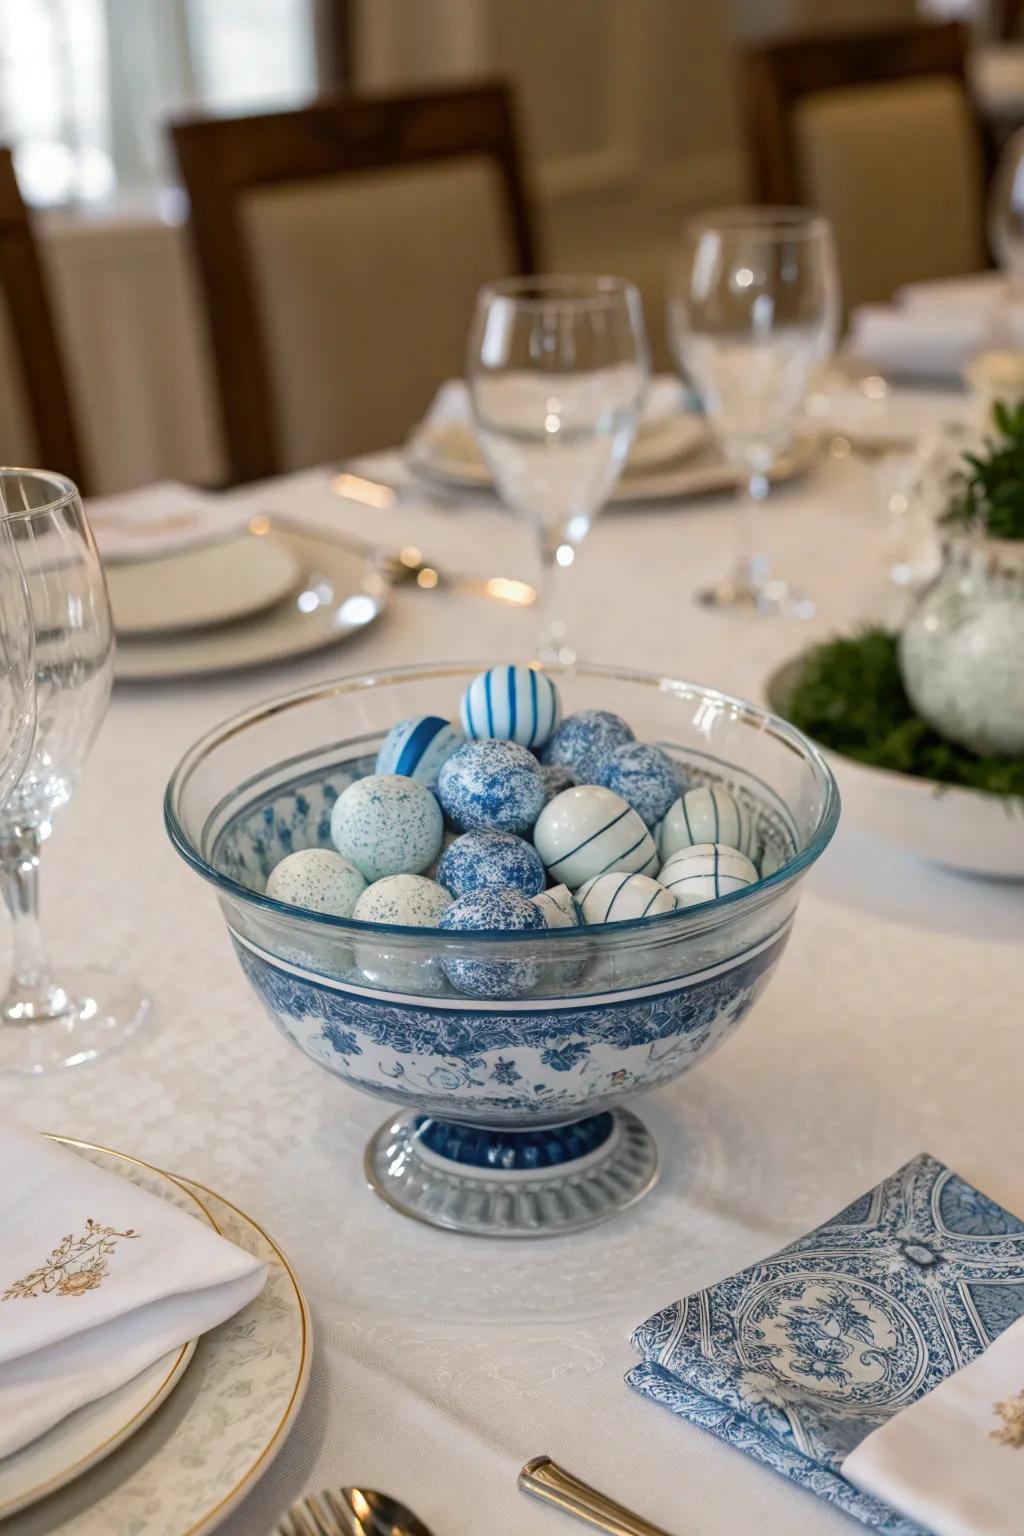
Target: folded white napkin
160,520
920,343
98,1279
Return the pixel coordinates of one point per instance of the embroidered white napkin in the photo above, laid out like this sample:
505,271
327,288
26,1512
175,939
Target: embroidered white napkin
98,1279
160,520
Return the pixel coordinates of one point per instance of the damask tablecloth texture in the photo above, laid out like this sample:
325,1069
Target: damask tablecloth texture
443,1363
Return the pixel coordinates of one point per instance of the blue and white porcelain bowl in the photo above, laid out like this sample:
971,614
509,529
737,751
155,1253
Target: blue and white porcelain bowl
510,1121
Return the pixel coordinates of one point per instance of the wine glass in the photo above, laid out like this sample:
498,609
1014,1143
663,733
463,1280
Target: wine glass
753,308
557,371
49,1018
17,665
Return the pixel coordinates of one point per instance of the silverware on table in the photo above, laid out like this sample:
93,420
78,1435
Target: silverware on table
350,1512
545,1480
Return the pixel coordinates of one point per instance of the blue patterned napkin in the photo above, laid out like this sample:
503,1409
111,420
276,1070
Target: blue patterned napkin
796,1359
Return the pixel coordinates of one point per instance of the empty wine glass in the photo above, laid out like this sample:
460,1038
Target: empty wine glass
753,308
56,1018
557,370
17,666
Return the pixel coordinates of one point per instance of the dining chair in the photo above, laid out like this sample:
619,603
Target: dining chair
340,249
877,130
36,420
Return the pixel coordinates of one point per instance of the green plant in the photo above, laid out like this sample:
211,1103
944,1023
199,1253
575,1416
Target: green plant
988,495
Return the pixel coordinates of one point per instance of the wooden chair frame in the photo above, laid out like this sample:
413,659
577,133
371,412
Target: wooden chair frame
222,159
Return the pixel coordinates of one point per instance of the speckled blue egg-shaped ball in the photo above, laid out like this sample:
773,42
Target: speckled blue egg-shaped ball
317,879
494,910
585,740
485,858
590,830
559,908
704,814
621,898
387,825
406,901
418,748
556,777
493,785
511,704
705,872
645,777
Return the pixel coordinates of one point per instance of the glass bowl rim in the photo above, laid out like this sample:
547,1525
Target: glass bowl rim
575,290
787,221
65,491
686,918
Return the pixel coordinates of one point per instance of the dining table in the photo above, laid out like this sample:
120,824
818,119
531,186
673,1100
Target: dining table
442,1363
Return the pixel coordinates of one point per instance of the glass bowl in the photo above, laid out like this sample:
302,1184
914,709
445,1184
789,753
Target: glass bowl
511,1122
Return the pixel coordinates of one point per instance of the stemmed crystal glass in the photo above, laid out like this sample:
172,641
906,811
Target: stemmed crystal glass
17,666
49,1018
753,309
557,371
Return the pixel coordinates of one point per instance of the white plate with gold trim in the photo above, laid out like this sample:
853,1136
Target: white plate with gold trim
193,1462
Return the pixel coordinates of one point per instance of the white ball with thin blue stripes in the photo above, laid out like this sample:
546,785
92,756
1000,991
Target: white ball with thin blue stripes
705,872
511,704
589,830
559,907
622,898
704,814
419,748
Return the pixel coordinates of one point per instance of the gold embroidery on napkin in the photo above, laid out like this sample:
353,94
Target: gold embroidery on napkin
1011,1432
78,1265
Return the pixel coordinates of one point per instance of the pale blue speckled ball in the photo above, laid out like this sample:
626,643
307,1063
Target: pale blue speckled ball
480,859
417,748
494,910
493,785
645,777
511,704
387,825
584,742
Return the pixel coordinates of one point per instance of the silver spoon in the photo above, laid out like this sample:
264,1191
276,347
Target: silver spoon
350,1512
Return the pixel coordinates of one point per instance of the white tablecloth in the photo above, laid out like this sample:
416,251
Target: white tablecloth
442,1363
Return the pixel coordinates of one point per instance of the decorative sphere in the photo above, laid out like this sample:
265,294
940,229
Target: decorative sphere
559,908
319,880
491,784
408,901
589,831
478,859
644,776
706,871
417,748
387,825
618,898
584,741
556,777
494,910
512,704
704,814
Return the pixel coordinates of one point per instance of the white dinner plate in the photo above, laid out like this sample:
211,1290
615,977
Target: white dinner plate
187,1468
86,1437
963,829
213,583
338,591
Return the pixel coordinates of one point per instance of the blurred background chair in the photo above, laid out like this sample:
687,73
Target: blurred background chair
340,249
36,426
859,126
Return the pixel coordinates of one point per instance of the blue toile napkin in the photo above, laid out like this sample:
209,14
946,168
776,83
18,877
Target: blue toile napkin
798,1359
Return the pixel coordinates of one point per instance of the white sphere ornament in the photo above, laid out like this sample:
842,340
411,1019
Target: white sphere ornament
621,898
511,703
705,872
588,831
559,907
387,825
704,814
317,879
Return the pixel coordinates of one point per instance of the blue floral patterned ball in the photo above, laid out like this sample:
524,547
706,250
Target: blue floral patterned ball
645,777
387,825
556,778
494,910
584,741
494,785
418,748
479,859
511,704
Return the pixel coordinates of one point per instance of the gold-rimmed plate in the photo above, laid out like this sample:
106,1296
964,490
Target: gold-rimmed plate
190,1465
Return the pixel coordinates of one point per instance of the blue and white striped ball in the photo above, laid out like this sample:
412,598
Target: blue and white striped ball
704,814
493,910
621,898
491,784
387,825
584,741
511,704
644,776
705,872
418,748
559,908
479,859
589,831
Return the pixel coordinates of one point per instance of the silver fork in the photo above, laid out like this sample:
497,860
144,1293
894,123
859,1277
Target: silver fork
350,1512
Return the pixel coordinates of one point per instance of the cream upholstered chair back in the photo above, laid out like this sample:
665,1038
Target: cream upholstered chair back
897,168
